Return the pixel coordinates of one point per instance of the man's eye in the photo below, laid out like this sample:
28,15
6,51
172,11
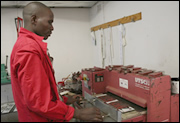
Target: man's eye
50,22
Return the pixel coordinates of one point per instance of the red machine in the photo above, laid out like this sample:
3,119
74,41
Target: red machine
93,80
147,89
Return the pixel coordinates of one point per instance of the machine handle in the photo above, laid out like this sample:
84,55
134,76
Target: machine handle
145,72
136,68
6,61
129,66
155,74
136,71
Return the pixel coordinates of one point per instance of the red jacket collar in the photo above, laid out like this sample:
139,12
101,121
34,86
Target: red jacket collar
35,36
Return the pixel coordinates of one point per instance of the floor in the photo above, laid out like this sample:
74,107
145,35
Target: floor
9,117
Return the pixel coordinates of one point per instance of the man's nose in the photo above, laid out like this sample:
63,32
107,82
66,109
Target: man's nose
52,28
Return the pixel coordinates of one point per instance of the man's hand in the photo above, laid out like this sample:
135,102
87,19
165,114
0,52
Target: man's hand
88,114
74,98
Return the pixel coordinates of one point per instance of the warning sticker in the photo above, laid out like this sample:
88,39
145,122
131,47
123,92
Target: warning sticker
123,83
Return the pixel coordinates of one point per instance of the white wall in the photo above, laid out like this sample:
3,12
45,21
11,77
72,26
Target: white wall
69,44
152,42
8,33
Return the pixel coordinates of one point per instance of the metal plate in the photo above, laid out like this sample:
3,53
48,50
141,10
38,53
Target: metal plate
105,108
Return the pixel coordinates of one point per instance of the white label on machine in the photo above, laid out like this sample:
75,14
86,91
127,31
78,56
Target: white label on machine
123,83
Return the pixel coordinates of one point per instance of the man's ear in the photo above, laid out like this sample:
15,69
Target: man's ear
34,19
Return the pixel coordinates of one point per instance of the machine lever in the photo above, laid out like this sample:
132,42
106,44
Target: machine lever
6,61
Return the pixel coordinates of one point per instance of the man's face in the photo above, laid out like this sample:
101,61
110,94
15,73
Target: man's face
44,25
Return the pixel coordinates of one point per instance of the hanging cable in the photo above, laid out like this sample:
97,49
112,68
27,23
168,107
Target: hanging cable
111,46
103,48
124,41
93,37
122,33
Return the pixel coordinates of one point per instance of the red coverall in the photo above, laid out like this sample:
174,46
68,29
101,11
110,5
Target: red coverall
33,83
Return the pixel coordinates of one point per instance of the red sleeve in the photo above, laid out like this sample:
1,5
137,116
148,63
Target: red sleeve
65,99
36,89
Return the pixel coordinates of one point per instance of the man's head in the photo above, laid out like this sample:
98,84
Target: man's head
38,18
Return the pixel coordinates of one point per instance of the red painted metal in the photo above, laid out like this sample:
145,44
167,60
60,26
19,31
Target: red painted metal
175,108
141,118
94,82
106,98
158,103
151,92
118,105
146,88
113,86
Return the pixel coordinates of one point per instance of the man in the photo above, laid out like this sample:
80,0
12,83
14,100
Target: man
33,83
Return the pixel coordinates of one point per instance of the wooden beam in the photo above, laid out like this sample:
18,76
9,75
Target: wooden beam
131,18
